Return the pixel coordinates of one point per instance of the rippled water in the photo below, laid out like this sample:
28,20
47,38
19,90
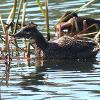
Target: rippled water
50,80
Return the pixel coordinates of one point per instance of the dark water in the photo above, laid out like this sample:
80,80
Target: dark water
50,80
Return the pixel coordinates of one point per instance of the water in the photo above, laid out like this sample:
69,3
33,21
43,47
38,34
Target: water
50,80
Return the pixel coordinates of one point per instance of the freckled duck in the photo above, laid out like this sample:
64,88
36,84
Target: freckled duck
65,47
73,21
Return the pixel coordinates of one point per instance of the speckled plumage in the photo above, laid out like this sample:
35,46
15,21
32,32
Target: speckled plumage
70,48
65,47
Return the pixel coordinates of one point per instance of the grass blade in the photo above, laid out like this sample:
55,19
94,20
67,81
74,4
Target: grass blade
41,8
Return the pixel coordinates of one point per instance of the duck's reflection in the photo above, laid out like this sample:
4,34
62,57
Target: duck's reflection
70,65
42,66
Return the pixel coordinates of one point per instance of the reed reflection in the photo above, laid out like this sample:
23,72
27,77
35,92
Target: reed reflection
6,75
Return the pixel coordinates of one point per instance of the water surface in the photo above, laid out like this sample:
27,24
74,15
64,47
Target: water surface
50,80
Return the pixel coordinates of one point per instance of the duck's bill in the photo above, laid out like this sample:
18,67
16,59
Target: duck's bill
17,35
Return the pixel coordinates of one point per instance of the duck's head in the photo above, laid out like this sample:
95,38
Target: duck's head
68,15
72,14
27,31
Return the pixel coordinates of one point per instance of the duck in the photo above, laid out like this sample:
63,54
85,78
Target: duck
75,24
65,47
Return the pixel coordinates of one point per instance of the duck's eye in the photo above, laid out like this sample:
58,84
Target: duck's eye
28,33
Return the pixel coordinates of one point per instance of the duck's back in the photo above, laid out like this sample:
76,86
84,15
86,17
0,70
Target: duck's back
69,47
74,44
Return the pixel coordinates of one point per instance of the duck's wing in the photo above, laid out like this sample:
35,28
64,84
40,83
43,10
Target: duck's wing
75,45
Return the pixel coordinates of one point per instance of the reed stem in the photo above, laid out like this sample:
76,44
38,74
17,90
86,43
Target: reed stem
19,10
14,10
12,13
93,25
84,24
23,19
4,31
23,13
7,51
16,24
82,35
76,25
97,36
47,20
28,50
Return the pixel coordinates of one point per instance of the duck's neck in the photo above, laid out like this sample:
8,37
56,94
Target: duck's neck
98,21
40,40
